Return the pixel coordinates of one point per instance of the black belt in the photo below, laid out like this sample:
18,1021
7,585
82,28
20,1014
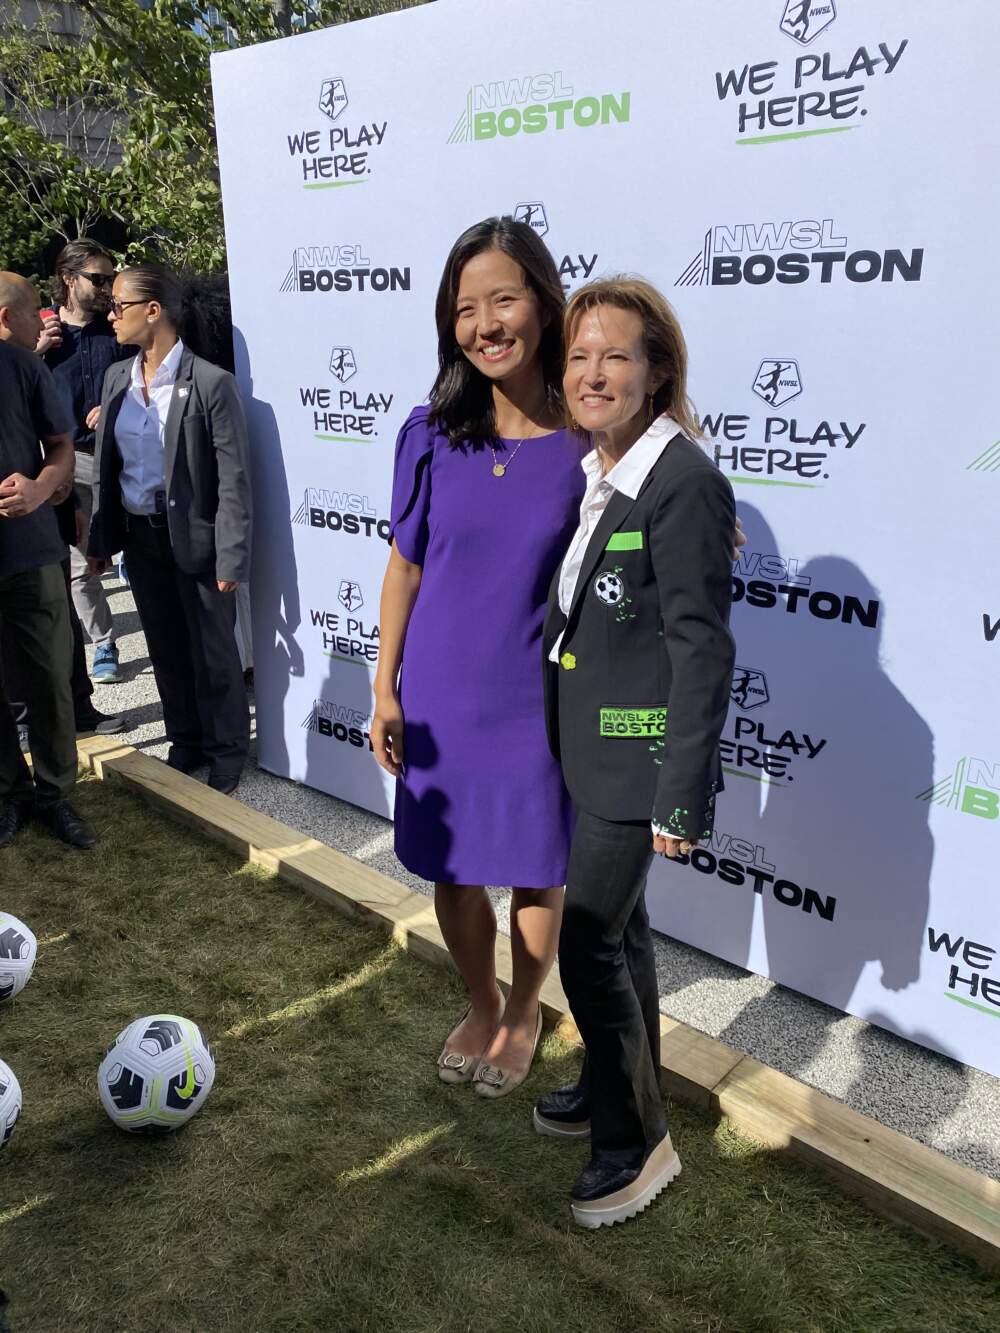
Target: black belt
158,521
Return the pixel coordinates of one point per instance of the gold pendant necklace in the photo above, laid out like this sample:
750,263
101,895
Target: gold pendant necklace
500,468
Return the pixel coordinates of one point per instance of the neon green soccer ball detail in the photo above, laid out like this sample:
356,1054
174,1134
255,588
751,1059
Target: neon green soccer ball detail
156,1074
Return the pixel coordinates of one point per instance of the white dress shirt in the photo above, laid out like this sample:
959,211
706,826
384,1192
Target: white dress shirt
139,432
626,476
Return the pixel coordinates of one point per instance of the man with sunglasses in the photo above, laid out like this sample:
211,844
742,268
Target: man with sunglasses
79,346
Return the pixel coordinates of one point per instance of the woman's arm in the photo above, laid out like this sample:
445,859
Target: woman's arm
691,543
399,592
232,454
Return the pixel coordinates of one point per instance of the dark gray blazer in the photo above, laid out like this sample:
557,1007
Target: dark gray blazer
209,505
635,708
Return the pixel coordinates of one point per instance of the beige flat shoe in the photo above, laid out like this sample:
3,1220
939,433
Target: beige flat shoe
492,1081
453,1067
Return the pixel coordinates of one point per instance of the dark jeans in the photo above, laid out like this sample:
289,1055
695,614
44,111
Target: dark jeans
189,628
34,619
609,975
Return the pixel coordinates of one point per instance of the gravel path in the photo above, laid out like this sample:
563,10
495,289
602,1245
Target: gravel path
930,1097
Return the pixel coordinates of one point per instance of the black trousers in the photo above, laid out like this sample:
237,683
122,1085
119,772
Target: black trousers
189,629
609,975
80,683
37,646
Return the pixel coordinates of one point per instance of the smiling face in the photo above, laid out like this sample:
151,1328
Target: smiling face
498,323
608,377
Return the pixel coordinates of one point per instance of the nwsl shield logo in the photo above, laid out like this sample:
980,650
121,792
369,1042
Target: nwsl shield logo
342,364
805,19
349,595
777,382
749,688
332,98
533,215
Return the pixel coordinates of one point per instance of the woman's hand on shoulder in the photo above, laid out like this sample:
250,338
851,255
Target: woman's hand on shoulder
387,733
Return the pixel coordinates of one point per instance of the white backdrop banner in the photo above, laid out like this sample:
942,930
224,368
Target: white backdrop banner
805,181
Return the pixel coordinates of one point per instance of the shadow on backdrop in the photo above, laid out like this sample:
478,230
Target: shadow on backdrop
836,815
274,574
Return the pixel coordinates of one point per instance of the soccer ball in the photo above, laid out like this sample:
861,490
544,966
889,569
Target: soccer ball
10,1103
609,589
156,1074
18,948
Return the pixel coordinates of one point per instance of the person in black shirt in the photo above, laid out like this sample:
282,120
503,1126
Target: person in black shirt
33,603
78,346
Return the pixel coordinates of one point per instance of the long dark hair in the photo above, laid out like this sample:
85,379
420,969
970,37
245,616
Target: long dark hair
179,299
72,258
462,398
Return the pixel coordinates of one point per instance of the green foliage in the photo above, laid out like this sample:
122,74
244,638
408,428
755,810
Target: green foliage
133,85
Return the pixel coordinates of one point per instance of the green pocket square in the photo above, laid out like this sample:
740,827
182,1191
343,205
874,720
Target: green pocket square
625,541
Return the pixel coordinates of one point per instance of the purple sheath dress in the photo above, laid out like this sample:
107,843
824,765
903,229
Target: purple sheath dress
481,800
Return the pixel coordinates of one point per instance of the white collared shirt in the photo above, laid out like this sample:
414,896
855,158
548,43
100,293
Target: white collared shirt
139,432
626,476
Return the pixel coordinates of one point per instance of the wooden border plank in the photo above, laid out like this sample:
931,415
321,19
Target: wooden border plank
898,1177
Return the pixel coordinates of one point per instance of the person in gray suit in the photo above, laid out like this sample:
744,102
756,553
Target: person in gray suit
172,490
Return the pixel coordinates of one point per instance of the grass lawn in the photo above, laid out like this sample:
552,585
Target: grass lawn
331,1182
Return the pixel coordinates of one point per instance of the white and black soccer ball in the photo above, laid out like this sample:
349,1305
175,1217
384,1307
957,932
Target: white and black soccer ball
18,950
10,1103
156,1074
609,588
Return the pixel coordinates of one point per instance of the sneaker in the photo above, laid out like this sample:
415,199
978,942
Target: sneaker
100,723
105,669
607,1192
122,573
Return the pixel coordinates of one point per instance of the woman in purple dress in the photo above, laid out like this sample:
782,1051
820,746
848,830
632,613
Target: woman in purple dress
486,495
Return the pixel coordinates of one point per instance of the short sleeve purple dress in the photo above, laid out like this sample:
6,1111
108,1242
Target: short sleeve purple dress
481,800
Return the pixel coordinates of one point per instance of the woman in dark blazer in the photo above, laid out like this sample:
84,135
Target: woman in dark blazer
638,661
172,490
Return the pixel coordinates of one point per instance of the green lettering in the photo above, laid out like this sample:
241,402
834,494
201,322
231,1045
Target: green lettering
979,801
533,119
485,125
587,111
509,122
615,108
617,722
559,109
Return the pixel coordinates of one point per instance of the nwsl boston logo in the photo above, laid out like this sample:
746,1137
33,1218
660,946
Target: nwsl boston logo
792,252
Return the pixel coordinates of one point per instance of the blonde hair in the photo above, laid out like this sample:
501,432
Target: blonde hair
663,340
